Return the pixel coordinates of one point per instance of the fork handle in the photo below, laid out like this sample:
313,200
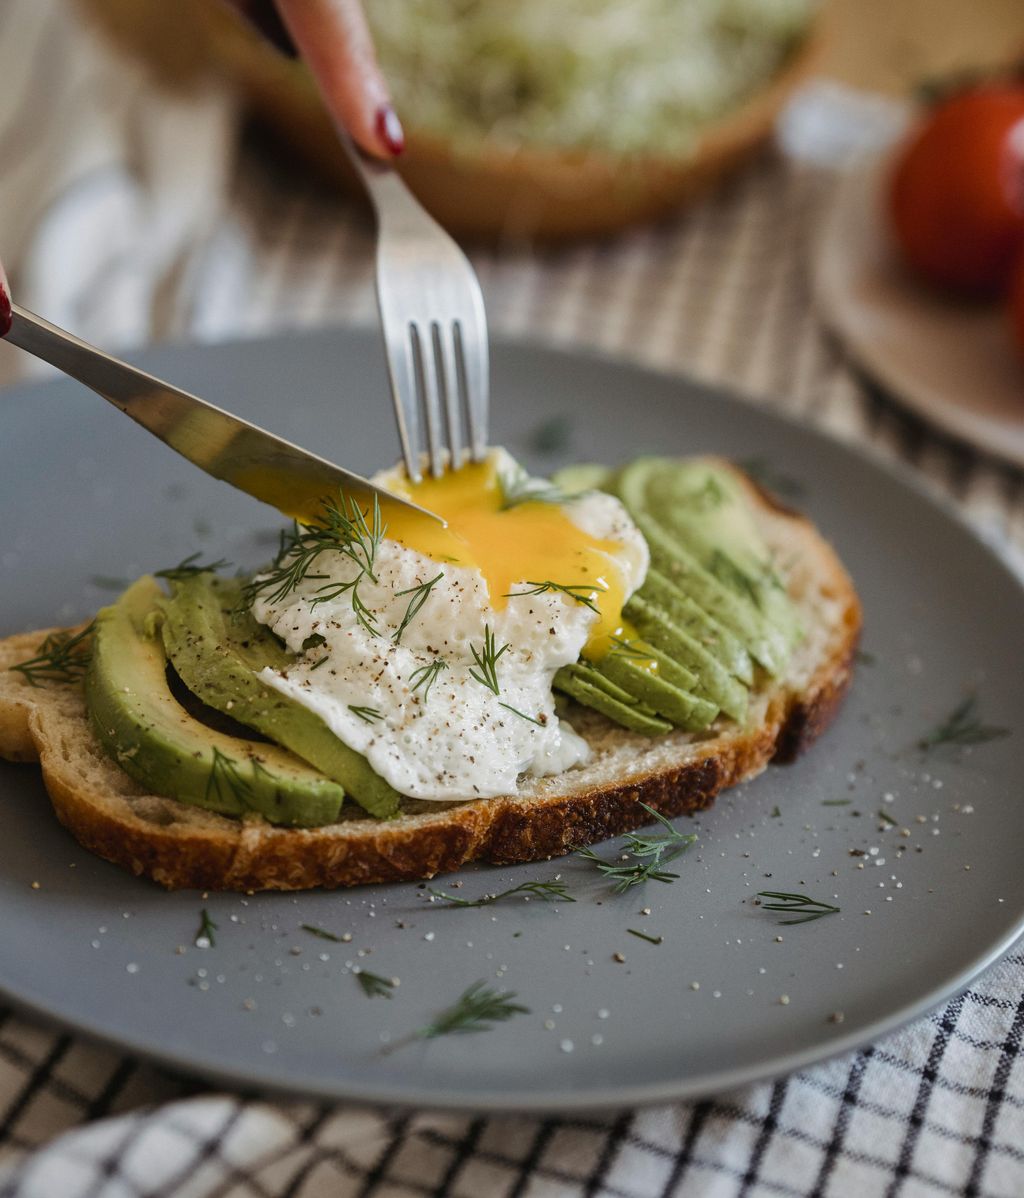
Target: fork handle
392,200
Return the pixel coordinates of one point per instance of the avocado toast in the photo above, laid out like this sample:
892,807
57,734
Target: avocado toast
739,649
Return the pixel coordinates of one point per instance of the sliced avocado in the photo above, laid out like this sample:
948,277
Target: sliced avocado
218,650
768,645
701,506
715,683
685,710
704,628
590,689
159,744
586,476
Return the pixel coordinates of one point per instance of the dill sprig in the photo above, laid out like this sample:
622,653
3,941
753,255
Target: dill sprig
807,907
477,1009
624,648
190,567
588,597
541,721
518,487
204,937
734,576
646,844
650,853
426,676
342,529
367,714
644,936
628,875
487,661
374,986
226,782
420,594
550,892
321,933
62,657
962,727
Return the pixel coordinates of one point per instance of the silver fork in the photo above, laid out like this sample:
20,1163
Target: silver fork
435,327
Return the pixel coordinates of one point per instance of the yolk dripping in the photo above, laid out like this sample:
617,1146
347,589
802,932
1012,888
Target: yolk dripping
532,541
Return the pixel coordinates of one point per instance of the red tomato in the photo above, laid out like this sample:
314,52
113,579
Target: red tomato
1016,298
956,196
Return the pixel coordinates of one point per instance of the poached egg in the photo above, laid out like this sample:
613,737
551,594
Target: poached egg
436,663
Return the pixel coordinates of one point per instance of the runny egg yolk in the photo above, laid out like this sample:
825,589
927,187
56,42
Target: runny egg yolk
515,547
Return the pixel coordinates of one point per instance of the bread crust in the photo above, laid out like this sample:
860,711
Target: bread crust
180,846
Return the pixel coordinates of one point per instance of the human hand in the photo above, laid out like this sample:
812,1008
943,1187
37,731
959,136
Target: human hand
333,38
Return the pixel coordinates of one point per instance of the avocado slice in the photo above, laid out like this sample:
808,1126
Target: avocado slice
701,507
767,644
683,709
218,650
705,629
714,682
585,476
587,686
159,744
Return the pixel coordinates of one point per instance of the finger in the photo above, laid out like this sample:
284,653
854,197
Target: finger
333,37
5,303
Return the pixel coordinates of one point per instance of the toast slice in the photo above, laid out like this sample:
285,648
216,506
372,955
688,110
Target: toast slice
181,846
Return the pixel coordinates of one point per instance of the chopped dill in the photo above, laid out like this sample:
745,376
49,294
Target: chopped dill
367,714
644,936
588,597
204,937
623,648
886,818
487,661
806,907
225,782
426,676
552,435
962,727
550,892
541,721
374,986
420,594
626,876
733,576
190,567
61,657
321,933
518,487
650,852
342,529
477,1009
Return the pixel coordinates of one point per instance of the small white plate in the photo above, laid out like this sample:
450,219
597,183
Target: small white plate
954,363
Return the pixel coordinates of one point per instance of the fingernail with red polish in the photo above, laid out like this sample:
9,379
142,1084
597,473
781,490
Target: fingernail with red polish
6,315
389,129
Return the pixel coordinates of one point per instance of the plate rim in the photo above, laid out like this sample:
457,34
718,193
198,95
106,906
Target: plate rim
403,1096
901,386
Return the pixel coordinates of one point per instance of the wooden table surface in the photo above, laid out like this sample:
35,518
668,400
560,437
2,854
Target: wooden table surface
891,45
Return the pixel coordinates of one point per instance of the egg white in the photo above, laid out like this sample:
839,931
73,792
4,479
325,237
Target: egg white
460,740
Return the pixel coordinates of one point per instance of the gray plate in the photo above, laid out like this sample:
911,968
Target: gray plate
86,495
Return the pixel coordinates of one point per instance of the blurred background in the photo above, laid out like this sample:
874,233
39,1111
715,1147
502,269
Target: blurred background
644,177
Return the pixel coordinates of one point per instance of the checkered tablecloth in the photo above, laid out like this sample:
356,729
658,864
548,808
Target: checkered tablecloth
194,230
